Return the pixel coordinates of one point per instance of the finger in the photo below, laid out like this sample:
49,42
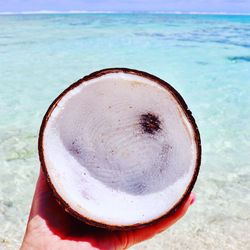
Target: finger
41,185
41,189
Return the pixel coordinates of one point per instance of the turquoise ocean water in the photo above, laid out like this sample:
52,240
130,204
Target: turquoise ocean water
205,57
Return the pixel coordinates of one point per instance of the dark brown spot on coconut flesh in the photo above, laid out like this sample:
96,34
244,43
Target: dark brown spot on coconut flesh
150,123
75,148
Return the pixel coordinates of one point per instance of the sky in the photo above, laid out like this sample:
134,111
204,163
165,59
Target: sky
228,6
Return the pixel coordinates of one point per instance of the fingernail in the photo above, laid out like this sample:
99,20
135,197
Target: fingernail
193,199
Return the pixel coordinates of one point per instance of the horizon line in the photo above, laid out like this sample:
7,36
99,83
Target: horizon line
122,12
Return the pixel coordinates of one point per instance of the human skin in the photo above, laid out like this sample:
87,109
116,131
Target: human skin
50,227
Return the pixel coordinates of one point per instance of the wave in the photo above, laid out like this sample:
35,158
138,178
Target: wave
119,12
55,12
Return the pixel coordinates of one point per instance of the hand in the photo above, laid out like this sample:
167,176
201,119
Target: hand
50,227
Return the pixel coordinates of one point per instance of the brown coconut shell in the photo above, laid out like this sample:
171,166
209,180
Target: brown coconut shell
183,106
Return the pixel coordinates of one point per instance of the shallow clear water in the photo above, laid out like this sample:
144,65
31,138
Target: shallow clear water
206,58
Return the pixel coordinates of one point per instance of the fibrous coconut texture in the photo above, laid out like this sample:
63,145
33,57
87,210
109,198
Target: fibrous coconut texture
120,149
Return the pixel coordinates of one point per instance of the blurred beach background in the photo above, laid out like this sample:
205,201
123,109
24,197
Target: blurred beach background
205,57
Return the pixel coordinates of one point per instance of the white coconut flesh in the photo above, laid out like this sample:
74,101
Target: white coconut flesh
119,149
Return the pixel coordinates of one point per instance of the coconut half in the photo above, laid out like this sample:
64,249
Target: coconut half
120,149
